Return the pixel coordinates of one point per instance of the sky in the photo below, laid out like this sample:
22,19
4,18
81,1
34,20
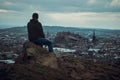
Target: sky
70,13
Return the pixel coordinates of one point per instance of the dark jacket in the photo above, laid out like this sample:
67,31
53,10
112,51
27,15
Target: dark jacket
35,30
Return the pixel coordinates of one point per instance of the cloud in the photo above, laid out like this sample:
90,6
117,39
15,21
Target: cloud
2,10
7,3
61,6
95,13
91,1
87,19
5,11
115,3
11,5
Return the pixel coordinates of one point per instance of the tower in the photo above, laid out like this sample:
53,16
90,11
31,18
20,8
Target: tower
94,37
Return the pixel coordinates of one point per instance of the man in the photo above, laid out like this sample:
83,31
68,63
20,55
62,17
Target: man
36,34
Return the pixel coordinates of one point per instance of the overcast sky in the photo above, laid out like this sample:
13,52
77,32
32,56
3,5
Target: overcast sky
75,13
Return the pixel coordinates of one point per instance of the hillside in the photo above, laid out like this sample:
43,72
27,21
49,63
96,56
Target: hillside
86,32
36,63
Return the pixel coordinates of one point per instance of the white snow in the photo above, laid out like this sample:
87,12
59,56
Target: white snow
8,61
56,49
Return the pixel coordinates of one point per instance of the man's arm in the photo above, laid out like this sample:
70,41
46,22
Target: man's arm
42,32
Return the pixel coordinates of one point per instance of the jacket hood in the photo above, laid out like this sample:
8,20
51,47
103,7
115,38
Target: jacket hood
33,20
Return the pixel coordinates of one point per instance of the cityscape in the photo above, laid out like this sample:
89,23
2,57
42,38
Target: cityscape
100,46
84,40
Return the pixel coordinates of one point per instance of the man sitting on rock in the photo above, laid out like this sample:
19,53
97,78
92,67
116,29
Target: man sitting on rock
36,34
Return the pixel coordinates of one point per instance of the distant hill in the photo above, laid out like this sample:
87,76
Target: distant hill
6,26
54,29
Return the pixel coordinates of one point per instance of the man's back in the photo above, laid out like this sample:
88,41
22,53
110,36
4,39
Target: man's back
35,30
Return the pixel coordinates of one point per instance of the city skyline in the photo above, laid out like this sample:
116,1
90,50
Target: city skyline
71,13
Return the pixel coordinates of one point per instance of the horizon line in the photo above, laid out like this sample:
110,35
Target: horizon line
13,26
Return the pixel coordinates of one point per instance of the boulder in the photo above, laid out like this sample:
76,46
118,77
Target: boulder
34,54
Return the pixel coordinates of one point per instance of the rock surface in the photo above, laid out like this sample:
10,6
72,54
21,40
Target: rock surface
36,63
34,54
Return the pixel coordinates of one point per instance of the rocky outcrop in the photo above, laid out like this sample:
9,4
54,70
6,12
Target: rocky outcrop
36,63
85,70
34,54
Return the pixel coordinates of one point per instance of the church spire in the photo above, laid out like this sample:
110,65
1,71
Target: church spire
94,37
